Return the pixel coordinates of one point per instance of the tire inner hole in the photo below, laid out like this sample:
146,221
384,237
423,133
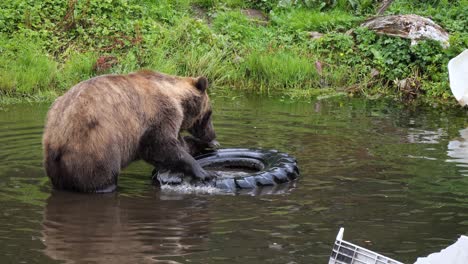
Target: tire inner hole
236,167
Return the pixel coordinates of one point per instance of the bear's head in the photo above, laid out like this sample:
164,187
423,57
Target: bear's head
202,127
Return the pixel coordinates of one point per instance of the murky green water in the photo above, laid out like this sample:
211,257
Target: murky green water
396,179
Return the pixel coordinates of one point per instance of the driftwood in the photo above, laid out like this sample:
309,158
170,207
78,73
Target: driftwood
385,4
412,27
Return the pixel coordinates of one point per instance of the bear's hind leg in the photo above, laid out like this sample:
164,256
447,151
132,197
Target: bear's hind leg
84,173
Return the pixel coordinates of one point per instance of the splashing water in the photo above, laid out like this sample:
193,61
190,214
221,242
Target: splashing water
178,183
187,188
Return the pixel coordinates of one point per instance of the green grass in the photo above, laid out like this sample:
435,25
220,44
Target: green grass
77,67
312,20
449,14
25,68
235,25
280,70
220,3
48,46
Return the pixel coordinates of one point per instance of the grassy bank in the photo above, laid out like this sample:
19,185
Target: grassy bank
47,46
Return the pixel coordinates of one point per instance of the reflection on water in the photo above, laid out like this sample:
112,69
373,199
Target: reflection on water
425,136
395,178
458,151
118,229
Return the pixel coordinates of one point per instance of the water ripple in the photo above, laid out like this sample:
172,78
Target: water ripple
394,178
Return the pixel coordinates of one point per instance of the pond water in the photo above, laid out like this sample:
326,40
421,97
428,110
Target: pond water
395,178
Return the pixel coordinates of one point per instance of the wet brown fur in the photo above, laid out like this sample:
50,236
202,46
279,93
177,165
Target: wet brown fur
101,125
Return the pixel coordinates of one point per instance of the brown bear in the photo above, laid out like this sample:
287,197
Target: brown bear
101,125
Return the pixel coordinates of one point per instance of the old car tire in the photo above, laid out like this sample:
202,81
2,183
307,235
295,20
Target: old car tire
269,167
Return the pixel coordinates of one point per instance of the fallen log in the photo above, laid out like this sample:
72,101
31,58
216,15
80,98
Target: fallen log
411,27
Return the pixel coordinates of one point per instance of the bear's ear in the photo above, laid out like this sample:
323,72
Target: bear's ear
201,83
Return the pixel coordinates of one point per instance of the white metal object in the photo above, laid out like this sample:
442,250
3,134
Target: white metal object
458,75
347,253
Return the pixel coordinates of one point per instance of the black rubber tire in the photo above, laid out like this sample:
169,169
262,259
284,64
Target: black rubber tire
272,167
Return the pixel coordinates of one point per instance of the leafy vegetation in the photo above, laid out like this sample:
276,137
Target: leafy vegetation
269,46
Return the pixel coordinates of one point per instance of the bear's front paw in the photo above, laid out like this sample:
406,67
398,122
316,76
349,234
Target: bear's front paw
206,176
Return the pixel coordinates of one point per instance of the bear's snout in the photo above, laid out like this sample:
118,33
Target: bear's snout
214,144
